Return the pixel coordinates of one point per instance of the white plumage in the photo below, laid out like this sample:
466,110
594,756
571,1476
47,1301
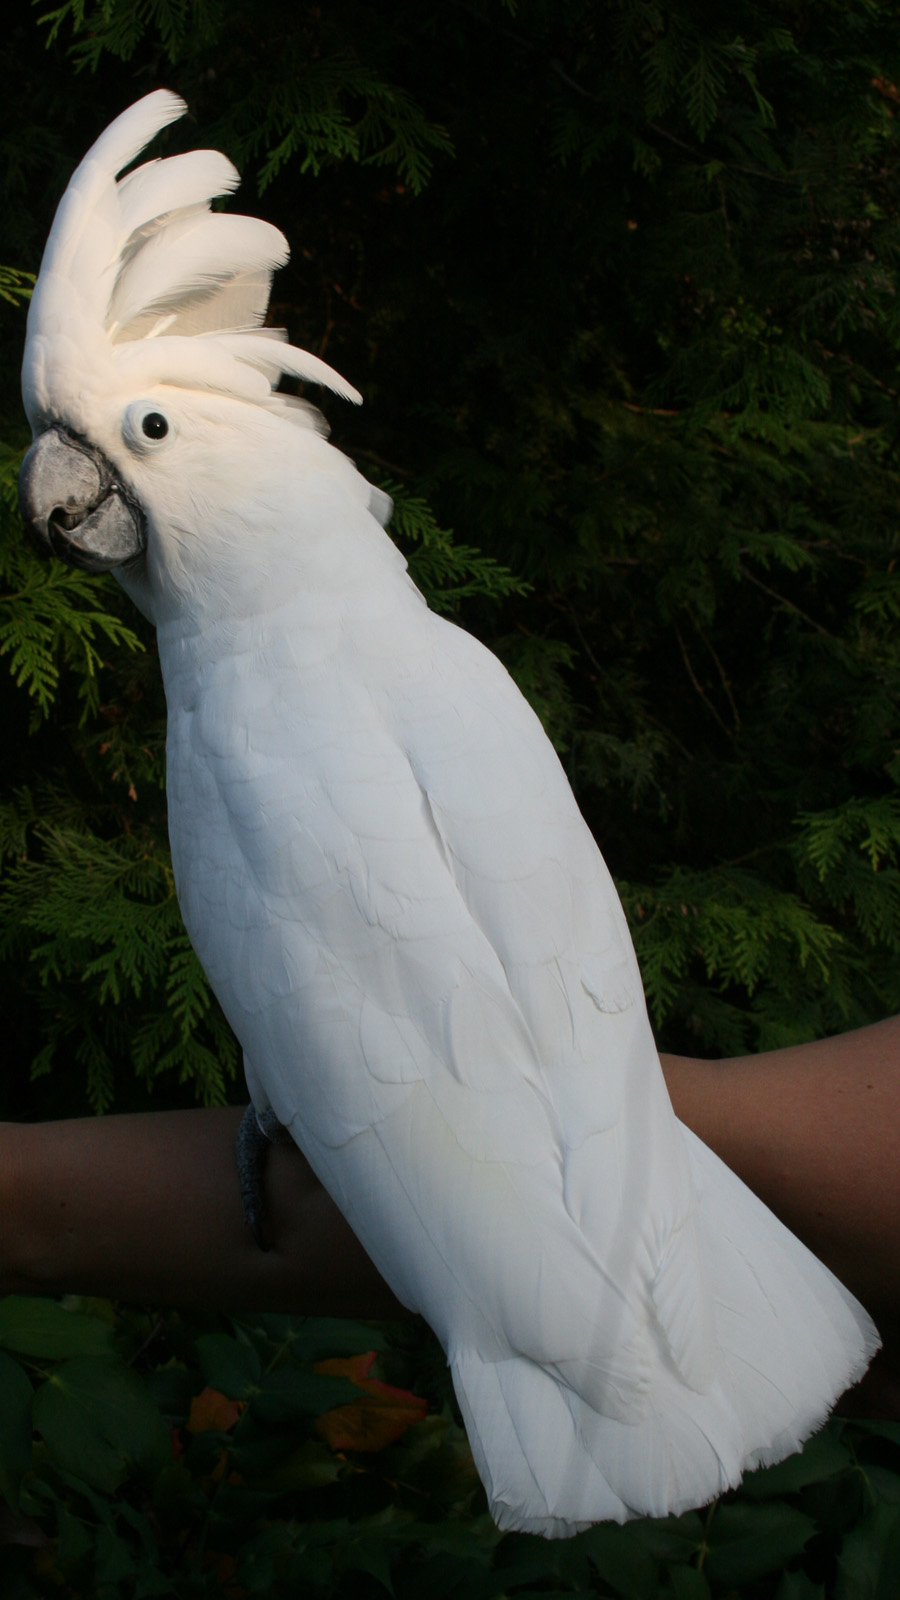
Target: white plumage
407,922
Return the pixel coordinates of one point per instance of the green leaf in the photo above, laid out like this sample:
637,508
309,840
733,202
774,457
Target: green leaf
15,285
291,1393
621,1559
75,1542
149,1581
821,1457
870,1557
688,1583
114,1559
798,1586
747,1541
257,1568
311,1466
673,1538
15,1429
314,1338
367,1548
884,1429
486,1590
44,1329
99,1423
228,1364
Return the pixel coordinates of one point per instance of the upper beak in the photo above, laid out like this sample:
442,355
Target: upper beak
75,508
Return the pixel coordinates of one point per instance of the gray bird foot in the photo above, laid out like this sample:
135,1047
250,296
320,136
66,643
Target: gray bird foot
255,1136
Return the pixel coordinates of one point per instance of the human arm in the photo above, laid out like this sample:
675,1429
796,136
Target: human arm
814,1130
146,1206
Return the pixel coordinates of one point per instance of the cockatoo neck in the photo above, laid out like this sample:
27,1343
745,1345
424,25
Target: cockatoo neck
287,535
295,581
330,612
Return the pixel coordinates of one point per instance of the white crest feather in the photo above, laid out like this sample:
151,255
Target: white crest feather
189,258
151,191
152,286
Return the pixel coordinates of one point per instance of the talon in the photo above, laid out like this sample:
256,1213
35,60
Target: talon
256,1134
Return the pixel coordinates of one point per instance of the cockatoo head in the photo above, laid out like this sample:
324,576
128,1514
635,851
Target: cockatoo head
148,379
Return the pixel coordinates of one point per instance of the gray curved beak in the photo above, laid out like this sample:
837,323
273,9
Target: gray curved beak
74,507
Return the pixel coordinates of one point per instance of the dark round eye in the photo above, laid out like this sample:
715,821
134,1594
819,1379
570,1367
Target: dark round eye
145,428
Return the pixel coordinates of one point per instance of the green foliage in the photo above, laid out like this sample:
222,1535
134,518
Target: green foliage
89,917
15,285
116,29
98,917
181,1455
50,619
446,572
707,941
312,116
309,101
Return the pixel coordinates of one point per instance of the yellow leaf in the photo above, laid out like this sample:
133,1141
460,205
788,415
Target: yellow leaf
211,1411
373,1421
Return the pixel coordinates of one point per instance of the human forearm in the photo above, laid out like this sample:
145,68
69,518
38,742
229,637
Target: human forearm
146,1207
814,1130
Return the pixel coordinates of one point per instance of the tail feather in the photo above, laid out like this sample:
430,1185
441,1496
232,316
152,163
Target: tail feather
790,1339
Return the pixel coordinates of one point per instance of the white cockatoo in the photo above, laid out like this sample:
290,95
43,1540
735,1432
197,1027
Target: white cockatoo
387,879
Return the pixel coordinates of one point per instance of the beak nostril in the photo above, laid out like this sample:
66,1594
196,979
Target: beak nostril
64,519
61,518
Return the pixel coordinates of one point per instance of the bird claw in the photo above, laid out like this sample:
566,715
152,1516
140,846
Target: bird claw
257,1132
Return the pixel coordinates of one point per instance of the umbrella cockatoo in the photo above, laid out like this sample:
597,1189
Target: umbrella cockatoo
386,877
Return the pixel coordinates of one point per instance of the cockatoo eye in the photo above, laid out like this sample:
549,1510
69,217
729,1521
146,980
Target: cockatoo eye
145,427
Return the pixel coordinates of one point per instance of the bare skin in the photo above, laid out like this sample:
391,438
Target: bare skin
146,1207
